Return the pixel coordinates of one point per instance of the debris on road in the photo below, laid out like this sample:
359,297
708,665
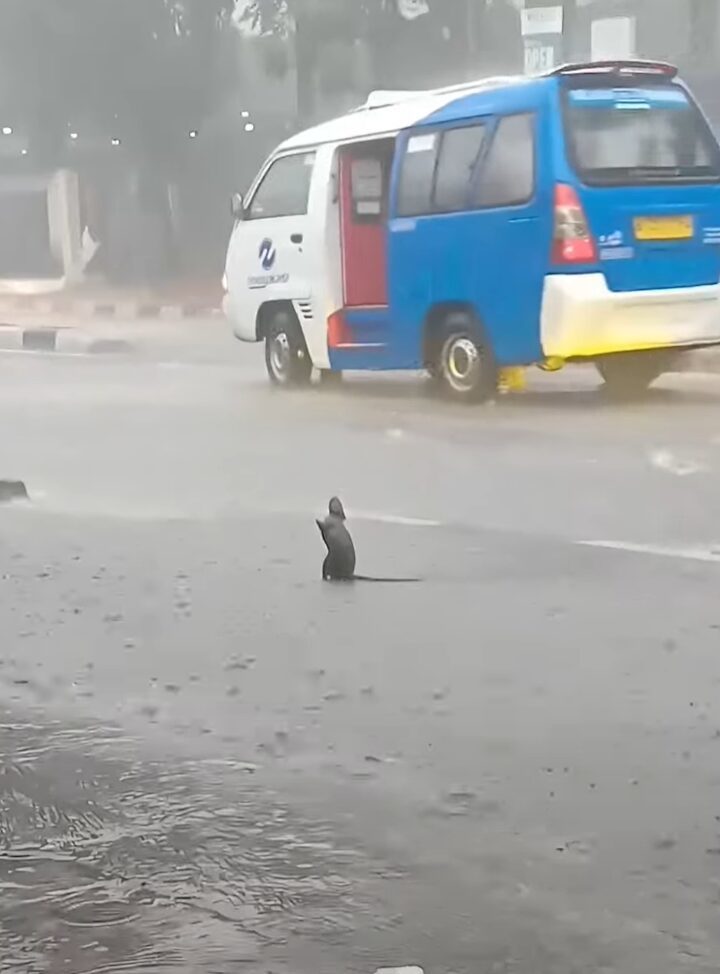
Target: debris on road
11,490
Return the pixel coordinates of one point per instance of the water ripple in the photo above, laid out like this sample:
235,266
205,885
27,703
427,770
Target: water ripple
126,865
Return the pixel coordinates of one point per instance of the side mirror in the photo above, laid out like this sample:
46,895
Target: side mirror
238,206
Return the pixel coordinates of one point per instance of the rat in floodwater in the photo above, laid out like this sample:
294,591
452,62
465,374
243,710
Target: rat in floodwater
339,565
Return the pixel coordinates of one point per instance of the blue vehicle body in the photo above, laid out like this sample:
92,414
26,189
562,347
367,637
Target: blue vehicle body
492,260
496,263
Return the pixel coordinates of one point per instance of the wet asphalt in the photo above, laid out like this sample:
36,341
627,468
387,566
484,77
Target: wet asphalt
210,761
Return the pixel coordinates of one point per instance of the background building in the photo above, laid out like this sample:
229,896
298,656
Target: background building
160,109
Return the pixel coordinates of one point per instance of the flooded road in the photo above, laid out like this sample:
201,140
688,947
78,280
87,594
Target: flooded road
212,762
206,761
115,864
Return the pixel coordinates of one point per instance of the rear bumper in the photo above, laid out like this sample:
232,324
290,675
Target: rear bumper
582,318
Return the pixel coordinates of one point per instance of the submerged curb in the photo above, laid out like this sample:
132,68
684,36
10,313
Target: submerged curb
69,341
133,310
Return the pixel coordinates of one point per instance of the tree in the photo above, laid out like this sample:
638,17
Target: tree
136,66
311,27
134,76
409,42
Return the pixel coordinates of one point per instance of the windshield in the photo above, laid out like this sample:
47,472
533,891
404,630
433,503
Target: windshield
636,135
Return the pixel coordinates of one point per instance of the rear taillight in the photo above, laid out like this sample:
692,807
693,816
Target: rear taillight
572,240
339,333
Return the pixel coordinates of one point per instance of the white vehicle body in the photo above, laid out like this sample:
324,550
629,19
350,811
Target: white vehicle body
309,273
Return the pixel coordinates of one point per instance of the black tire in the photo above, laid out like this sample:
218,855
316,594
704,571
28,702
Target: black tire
630,376
286,355
462,364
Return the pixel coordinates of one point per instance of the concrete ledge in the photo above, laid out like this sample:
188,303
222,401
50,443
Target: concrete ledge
68,341
15,309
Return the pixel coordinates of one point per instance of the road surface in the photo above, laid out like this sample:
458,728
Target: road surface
210,761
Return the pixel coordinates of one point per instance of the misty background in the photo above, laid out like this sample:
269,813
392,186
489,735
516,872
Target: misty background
126,124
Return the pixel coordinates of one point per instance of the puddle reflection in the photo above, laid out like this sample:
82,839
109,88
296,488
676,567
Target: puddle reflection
133,866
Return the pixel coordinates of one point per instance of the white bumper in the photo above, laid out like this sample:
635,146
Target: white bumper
243,326
581,317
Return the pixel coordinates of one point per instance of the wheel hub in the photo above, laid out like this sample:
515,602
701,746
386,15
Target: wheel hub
462,361
280,355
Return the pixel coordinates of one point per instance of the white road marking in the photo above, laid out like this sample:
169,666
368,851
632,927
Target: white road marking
408,522
670,463
689,553
45,353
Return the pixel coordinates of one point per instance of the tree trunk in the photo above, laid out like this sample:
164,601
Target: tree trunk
305,60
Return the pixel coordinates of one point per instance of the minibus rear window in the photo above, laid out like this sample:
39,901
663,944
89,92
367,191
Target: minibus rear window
638,136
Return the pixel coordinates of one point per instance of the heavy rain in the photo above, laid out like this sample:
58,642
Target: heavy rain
442,278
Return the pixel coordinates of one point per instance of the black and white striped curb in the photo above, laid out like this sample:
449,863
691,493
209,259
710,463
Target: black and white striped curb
135,310
67,341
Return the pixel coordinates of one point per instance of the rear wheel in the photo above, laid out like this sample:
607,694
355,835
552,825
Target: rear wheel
462,363
629,376
286,355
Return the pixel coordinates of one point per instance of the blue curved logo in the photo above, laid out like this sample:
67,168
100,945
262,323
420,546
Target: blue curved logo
267,254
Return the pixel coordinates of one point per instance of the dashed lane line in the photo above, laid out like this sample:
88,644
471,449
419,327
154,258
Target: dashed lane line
686,553
400,519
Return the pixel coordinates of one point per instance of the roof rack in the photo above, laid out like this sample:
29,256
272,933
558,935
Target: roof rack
623,69
383,99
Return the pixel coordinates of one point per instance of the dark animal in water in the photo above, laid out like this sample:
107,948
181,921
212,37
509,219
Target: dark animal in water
339,565
11,490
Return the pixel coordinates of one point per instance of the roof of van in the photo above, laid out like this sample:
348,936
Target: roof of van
389,112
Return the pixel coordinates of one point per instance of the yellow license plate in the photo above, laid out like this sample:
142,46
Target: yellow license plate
664,227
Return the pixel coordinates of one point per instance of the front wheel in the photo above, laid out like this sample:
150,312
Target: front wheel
629,376
286,355
463,365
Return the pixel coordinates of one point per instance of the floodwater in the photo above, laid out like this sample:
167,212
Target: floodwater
123,864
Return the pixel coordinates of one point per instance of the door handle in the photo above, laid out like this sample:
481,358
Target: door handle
296,238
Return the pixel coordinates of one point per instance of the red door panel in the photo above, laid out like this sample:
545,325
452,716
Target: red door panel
363,236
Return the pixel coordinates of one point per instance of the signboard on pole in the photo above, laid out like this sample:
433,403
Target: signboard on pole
542,31
542,20
613,38
539,57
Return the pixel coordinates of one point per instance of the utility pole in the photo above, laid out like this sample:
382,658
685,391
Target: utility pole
475,11
567,52
471,23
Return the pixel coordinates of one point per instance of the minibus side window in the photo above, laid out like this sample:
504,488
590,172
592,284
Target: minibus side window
459,153
508,174
285,188
418,172
438,169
